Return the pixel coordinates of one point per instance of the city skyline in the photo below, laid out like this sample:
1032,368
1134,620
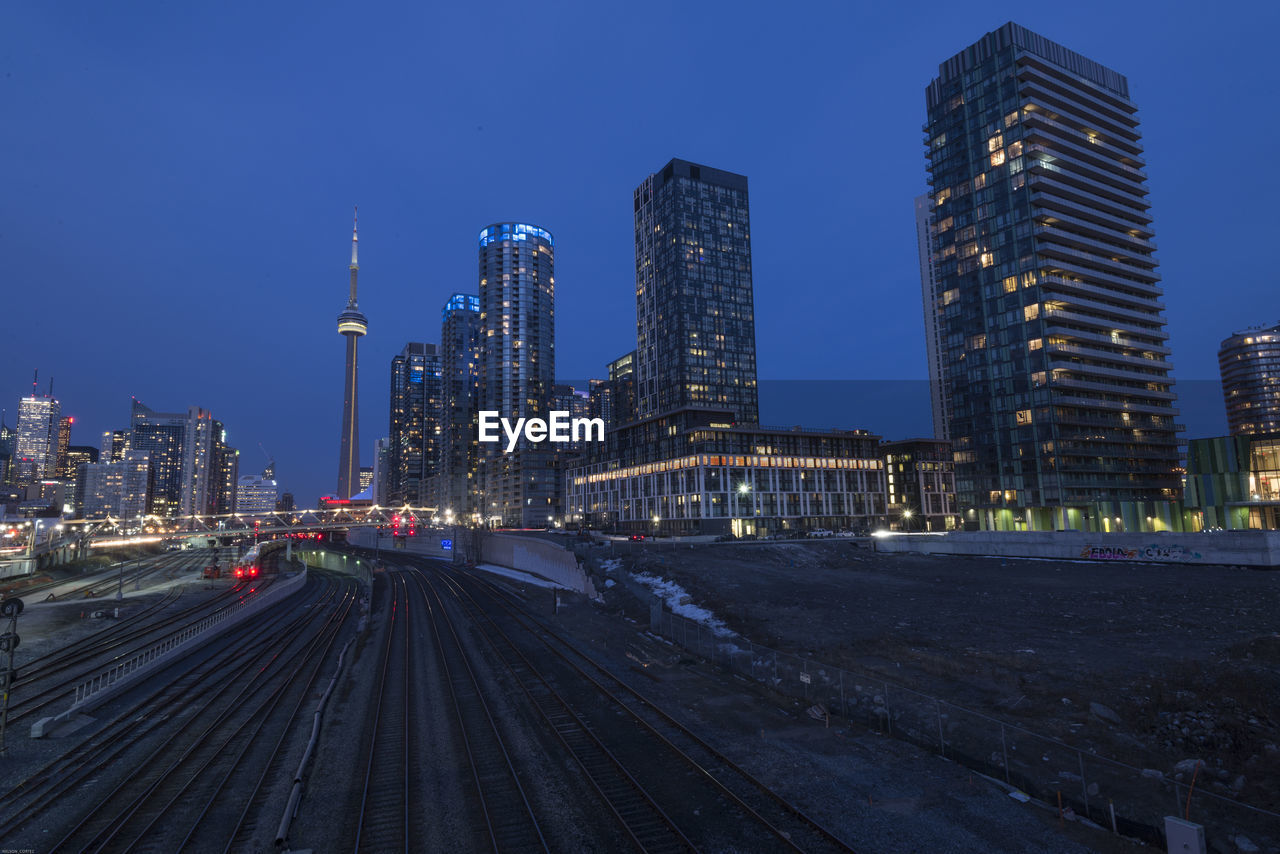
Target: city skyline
265,258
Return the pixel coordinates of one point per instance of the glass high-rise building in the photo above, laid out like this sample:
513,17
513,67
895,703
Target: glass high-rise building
933,343
518,362
1250,366
414,452
1048,303
460,380
695,336
35,452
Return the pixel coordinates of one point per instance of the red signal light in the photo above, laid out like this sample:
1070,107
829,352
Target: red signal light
239,572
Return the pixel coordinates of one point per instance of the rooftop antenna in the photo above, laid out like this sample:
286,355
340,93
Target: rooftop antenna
35,381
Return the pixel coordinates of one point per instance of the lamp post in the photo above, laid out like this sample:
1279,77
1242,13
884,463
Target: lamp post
906,520
744,489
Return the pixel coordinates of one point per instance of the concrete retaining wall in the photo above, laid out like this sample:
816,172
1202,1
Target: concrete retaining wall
1231,548
541,557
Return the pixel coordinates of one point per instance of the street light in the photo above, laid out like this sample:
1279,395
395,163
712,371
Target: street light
906,519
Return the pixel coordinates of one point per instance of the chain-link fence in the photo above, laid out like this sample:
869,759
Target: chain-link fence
1114,795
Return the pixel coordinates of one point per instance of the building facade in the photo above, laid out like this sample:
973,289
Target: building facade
932,325
921,484
1234,481
614,400
35,451
256,493
460,385
1250,365
414,453
695,307
695,471
517,368
1051,328
115,489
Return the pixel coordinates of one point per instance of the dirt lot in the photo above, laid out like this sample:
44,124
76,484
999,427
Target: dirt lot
1151,665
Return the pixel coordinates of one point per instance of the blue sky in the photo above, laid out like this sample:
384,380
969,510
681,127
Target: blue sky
179,183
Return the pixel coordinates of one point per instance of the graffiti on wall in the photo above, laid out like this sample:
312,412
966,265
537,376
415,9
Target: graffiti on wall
1154,552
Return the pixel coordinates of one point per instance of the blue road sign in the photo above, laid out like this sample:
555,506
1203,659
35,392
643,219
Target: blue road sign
447,545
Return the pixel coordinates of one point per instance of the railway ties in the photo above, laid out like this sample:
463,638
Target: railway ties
507,819
709,778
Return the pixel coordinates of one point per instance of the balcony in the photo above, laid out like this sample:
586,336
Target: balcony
1038,119
1077,176
1097,252
1031,66
1118,341
1096,234
1112,315
1107,356
1112,405
1096,282
1045,180
1060,206
1077,110
1088,156
1130,393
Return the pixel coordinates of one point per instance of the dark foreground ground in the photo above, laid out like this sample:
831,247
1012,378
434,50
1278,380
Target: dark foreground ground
1151,665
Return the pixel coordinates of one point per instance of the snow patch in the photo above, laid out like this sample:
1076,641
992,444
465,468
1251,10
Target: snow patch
679,602
611,564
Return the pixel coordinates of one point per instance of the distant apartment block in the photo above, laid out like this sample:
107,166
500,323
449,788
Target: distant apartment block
920,479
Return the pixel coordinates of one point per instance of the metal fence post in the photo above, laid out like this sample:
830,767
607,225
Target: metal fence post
942,742
1004,750
888,715
1084,785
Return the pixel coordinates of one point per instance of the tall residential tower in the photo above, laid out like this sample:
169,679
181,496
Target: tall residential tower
352,325
518,366
695,335
1050,323
1250,366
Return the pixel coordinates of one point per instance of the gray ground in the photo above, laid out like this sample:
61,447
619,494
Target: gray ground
1187,657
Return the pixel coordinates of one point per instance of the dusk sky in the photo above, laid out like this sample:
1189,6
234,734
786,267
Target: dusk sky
179,182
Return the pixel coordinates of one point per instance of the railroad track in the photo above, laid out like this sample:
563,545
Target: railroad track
213,714
48,679
589,692
509,822
385,817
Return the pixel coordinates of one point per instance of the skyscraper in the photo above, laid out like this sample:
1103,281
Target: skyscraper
415,423
1048,301
518,361
1250,366
933,343
460,379
64,441
696,340
35,453
158,437
352,325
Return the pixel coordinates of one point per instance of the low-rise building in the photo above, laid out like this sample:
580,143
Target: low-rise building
694,471
1234,481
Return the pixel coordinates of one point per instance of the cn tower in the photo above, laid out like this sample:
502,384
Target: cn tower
351,325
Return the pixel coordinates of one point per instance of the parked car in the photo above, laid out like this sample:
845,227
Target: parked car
822,532
637,536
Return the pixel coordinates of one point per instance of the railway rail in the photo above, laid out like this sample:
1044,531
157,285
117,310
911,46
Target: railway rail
224,725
